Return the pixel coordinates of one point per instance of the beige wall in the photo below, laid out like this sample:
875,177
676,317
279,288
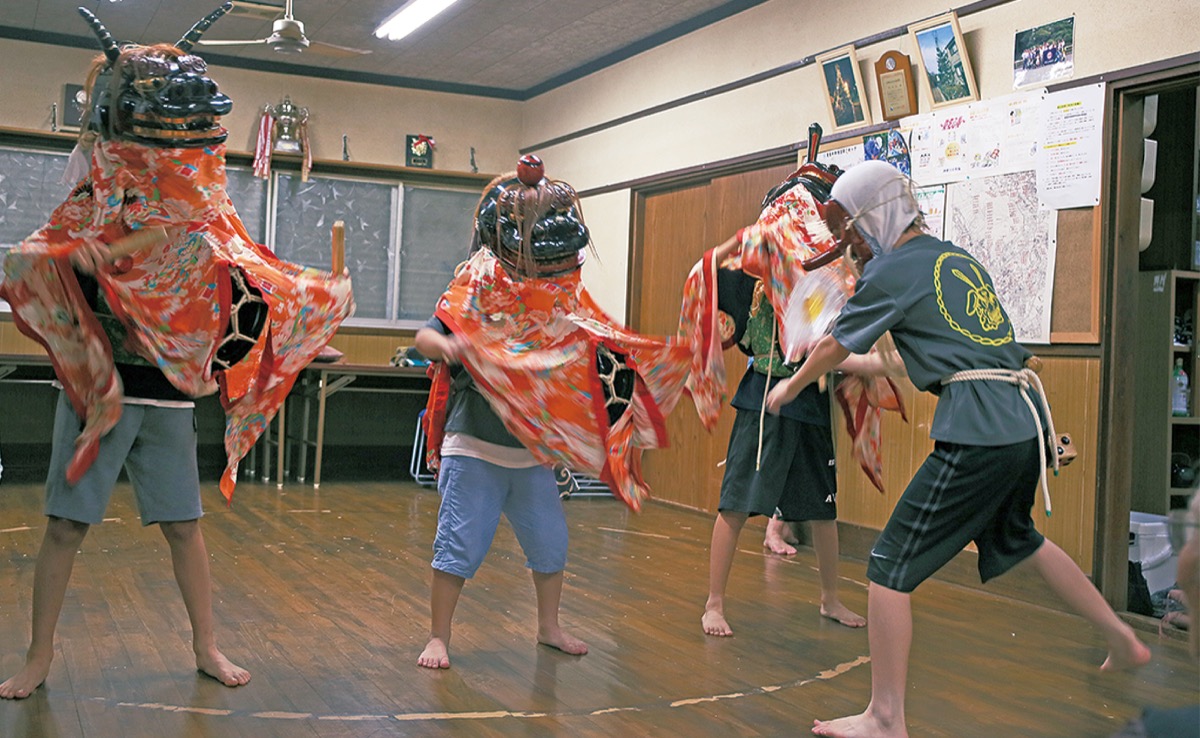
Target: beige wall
376,118
1109,36
608,220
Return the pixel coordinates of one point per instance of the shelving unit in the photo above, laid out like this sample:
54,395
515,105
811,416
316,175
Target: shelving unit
1162,440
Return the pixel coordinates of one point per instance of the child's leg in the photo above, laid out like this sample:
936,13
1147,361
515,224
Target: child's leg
825,543
473,494
776,538
55,560
549,594
890,638
1064,576
189,557
443,598
534,510
726,529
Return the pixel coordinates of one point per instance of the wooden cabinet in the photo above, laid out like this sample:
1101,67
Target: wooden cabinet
1166,446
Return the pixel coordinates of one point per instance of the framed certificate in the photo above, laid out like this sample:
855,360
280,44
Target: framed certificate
897,89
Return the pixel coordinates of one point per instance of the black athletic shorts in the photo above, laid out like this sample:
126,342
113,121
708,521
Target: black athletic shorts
797,475
961,494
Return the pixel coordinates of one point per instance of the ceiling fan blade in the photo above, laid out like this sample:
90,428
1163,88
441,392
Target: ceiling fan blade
230,42
258,10
333,50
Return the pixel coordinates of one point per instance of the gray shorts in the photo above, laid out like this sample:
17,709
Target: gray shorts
157,448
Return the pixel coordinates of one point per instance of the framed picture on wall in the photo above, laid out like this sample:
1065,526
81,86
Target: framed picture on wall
944,61
1044,54
844,92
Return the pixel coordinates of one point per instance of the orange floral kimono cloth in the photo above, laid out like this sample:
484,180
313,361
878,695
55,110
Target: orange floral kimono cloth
531,348
174,298
789,231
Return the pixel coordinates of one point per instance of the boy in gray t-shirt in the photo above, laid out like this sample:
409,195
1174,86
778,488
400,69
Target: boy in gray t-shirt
941,308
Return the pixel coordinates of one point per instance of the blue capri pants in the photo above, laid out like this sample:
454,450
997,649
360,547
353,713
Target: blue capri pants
475,493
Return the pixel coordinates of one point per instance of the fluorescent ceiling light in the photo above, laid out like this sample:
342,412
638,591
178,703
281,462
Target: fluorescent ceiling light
411,17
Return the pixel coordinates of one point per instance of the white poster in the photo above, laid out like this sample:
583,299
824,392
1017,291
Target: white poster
978,139
932,202
843,158
1068,162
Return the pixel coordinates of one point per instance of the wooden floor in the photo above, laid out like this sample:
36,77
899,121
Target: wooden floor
324,598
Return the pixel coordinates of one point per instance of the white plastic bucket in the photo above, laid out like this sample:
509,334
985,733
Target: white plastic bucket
1150,544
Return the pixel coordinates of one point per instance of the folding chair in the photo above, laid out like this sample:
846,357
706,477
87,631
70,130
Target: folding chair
416,466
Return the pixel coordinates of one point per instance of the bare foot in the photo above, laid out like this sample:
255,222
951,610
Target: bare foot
1131,654
715,625
435,655
214,664
777,545
780,538
839,613
857,726
562,641
26,681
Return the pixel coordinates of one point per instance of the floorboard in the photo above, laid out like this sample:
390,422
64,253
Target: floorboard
324,597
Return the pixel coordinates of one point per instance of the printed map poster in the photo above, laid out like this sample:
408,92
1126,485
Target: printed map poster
998,221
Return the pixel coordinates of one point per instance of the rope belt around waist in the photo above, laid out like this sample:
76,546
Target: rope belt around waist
1024,380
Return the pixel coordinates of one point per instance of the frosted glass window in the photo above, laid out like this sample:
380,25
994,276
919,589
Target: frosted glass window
249,196
304,216
435,237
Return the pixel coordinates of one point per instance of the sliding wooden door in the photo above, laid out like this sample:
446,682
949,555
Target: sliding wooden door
673,229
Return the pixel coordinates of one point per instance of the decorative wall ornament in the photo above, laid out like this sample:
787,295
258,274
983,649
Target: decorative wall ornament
418,151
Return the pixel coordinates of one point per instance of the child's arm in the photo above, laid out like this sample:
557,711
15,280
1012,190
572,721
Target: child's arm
874,364
826,355
437,347
725,250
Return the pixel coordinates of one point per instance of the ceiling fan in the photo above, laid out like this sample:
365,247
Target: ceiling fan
287,33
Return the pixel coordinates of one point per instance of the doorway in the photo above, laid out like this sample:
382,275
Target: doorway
1150,423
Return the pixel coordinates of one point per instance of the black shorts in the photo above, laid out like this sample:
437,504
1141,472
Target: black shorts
797,475
961,494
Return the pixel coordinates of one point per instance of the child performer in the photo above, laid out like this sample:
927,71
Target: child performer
485,470
956,341
156,424
795,476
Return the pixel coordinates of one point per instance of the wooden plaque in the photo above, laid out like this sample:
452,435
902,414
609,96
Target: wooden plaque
897,90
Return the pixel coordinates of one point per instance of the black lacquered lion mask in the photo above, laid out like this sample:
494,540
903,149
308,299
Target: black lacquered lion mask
158,95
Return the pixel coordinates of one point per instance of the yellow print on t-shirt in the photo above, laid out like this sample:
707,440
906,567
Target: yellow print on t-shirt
968,293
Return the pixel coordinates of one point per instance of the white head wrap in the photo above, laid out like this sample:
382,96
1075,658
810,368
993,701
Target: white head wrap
879,198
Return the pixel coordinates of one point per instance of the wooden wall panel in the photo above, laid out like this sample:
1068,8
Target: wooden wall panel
12,342
1073,389
371,348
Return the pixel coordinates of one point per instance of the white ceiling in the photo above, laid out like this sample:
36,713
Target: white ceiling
503,48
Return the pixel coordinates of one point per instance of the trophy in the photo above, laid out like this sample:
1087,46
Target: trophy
283,128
